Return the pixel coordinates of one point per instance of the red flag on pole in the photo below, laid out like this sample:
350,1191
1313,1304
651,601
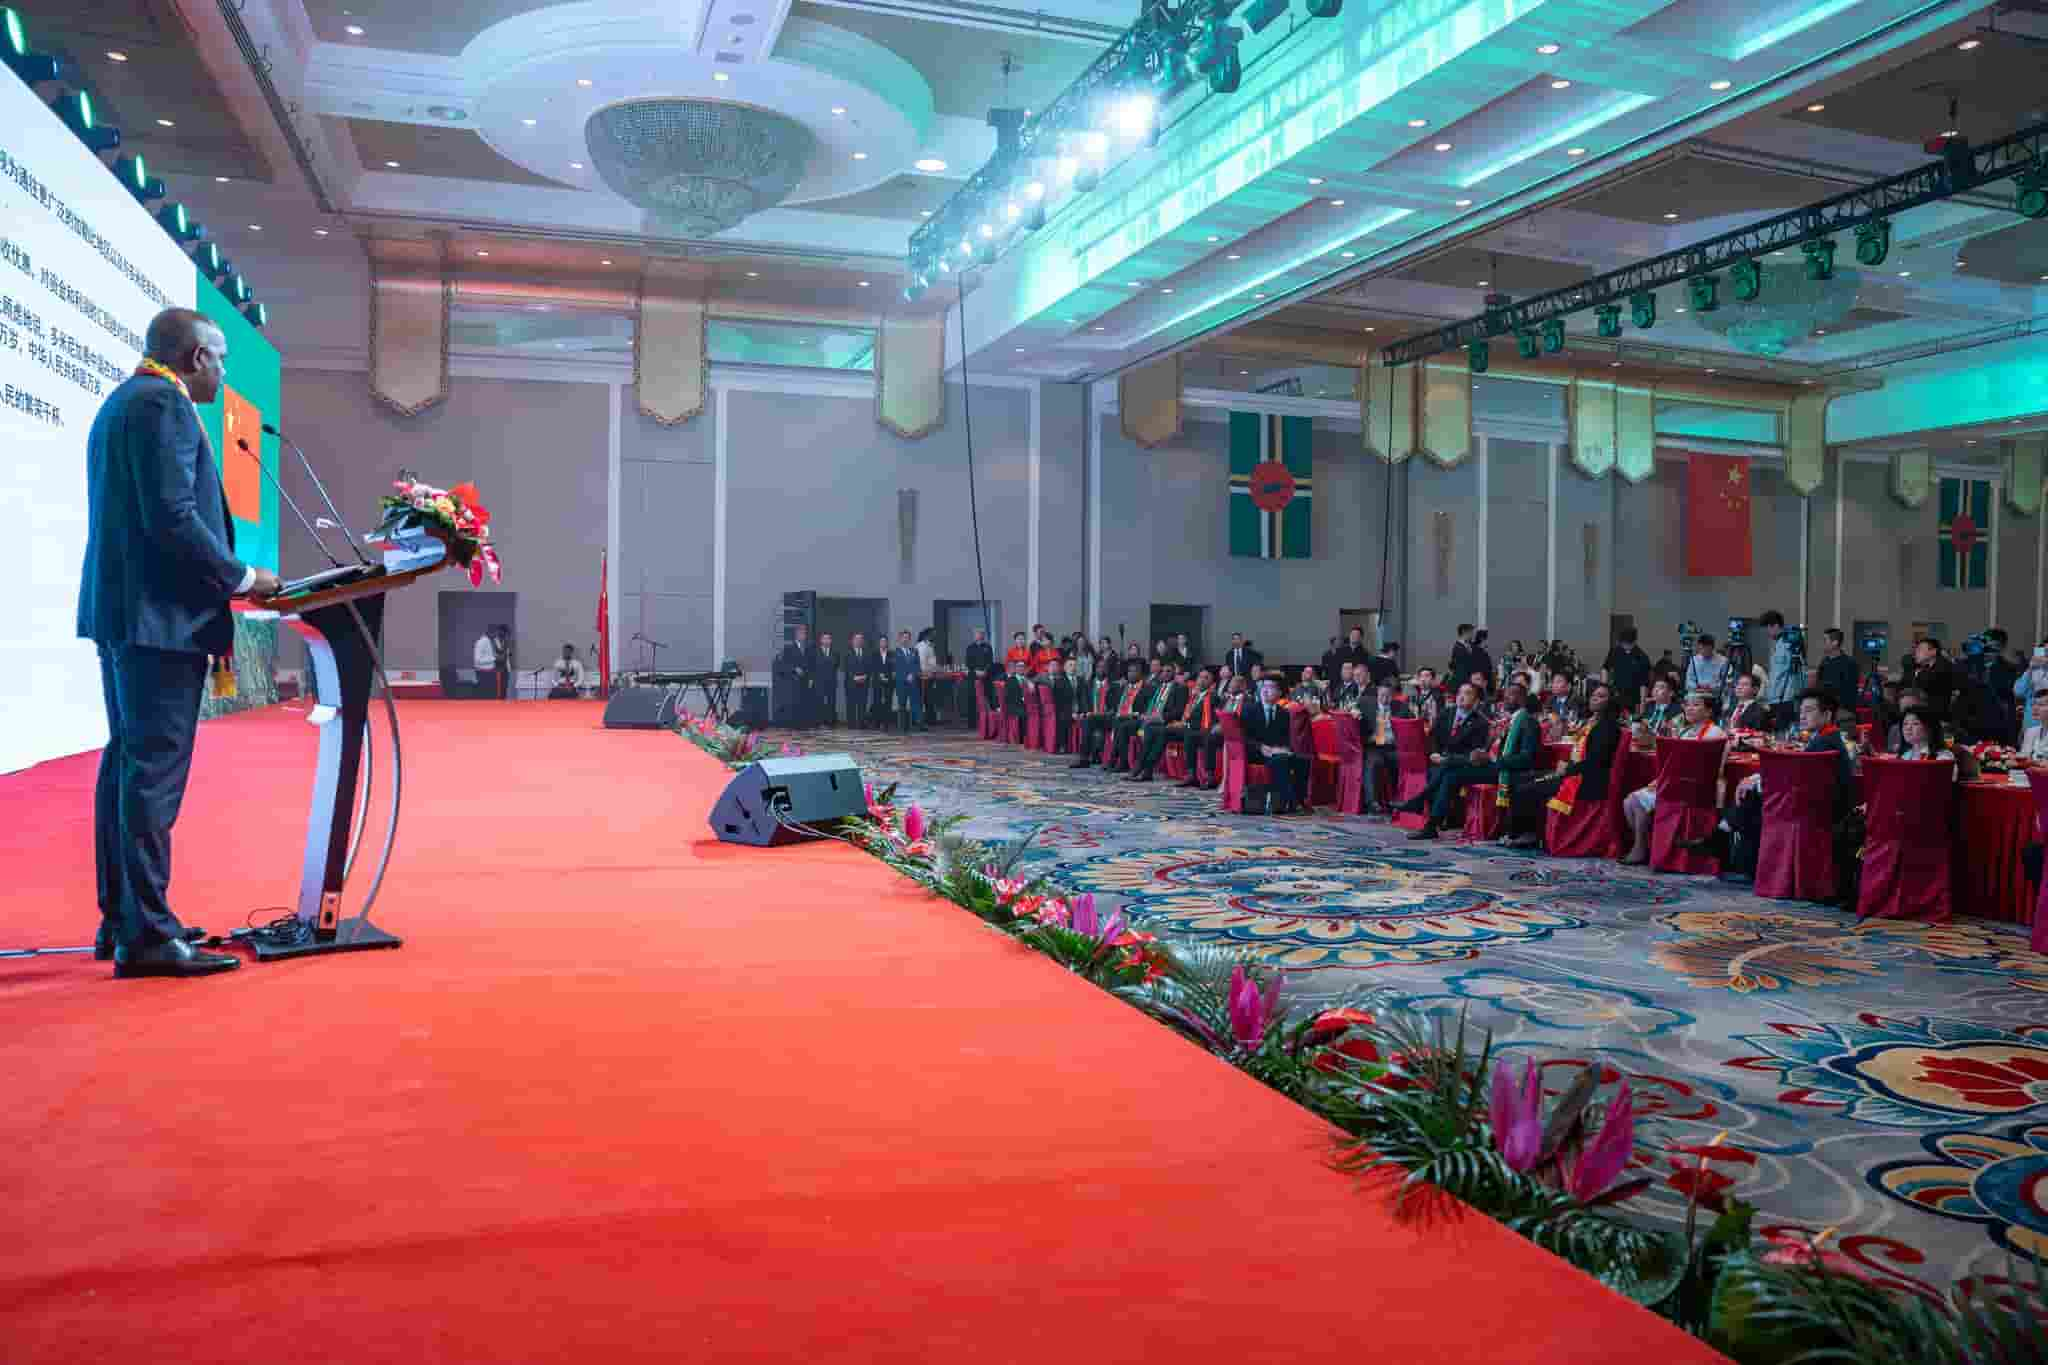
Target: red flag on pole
604,624
1717,538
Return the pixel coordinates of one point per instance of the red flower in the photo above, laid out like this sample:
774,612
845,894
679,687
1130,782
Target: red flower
1330,1023
465,492
1790,1248
2015,1083
1339,1058
1700,1183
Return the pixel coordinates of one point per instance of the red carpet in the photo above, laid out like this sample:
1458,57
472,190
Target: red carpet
629,1094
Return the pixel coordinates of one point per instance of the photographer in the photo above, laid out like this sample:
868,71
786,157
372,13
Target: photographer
1933,676
1787,677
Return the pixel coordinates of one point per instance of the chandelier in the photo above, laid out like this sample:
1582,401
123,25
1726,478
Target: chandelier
697,166
1787,310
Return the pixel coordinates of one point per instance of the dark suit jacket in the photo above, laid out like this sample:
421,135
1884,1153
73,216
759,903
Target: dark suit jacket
1845,767
1013,696
904,667
1063,692
1241,660
1456,742
826,672
160,560
1592,770
981,657
1176,702
1369,718
1755,716
1258,732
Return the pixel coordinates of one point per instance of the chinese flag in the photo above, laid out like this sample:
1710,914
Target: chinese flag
240,420
604,624
1717,516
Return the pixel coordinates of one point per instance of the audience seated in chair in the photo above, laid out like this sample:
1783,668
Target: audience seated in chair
1583,779
1113,700
1460,758
1734,839
1376,717
1696,722
1268,735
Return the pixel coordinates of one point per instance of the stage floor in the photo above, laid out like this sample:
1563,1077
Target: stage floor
631,1094
1865,1064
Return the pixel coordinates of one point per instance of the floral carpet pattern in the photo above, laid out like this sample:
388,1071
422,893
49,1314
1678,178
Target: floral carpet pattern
1892,1078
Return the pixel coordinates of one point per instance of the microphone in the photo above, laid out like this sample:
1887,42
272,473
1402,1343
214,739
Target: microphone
321,488
243,442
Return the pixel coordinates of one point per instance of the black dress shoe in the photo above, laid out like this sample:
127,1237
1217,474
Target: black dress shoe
173,957
103,944
1428,831
1142,775
1081,763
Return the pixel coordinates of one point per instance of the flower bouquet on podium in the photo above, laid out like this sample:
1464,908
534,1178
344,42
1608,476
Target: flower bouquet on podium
454,519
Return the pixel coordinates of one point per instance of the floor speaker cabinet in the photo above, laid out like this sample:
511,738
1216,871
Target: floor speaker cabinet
805,791
753,709
640,708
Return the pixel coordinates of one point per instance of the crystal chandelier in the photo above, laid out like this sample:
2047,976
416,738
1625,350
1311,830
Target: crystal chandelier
1789,309
697,166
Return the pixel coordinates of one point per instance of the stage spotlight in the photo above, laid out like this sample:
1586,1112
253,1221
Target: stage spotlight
1477,356
134,176
1705,292
1215,56
181,225
34,68
257,314
237,290
1820,258
1873,242
1553,336
2030,197
1746,280
1132,116
75,109
1525,343
213,262
1609,319
1223,80
1325,9
1261,13
1642,310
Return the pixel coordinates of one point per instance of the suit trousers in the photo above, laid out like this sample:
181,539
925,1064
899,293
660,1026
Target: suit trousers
1448,782
1288,774
1380,758
152,701
1120,751
1093,728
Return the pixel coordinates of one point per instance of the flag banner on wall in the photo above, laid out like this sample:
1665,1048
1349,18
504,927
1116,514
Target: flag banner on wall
1270,485
1965,532
1717,520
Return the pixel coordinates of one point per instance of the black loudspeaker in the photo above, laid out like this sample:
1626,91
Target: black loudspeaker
641,708
764,797
753,709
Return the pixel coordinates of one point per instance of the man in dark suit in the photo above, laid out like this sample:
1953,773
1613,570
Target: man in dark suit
1242,656
1269,738
794,668
1750,713
160,567
1355,653
1067,691
1137,708
1169,707
1736,838
1460,743
1376,716
1016,702
1101,716
825,682
981,668
880,682
908,675
857,676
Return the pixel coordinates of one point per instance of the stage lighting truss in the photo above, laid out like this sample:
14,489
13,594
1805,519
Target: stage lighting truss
180,224
257,314
1873,242
1866,210
1745,280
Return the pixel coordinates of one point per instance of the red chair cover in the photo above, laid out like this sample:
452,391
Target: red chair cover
1048,721
1075,726
1411,756
1594,829
1239,771
1030,716
1301,738
1909,815
1483,815
1350,764
984,720
1322,764
1688,801
2037,781
1795,857
1013,729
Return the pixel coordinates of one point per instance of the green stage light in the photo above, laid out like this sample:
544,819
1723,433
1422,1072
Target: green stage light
1873,242
1215,56
257,314
1477,356
180,224
136,179
17,36
1261,13
34,68
1325,9
1705,292
2030,198
1553,336
1820,258
1608,316
1746,280
1642,310
75,109
1223,80
238,289
1525,343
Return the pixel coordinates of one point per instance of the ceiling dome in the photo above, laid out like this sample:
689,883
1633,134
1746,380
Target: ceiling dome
697,167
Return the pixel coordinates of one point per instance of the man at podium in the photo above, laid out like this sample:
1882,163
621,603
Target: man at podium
159,569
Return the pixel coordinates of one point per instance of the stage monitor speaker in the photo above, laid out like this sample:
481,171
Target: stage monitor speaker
765,798
641,708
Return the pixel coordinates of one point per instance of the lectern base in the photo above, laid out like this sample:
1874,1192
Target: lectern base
354,936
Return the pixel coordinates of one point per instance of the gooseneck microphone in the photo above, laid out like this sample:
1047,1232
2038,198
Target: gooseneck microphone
321,488
243,442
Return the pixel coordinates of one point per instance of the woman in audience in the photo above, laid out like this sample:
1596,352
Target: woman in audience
1640,805
1583,779
1920,737
2034,744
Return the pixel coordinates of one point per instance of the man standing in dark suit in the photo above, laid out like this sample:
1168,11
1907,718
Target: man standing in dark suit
794,668
1269,737
159,569
880,682
825,681
981,668
908,675
1016,701
1242,656
857,676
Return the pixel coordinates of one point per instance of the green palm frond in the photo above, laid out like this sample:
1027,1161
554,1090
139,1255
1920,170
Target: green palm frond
1766,1314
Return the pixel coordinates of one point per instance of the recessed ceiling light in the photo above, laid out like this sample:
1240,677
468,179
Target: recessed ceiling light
1548,49
1820,331
1349,254
1671,215
1336,203
753,274
1244,371
220,180
117,56
1372,329
1166,291
1315,180
1719,85
1614,364
1258,296
1096,328
604,262
165,123
1418,123
1135,284
583,81
720,76
1481,285
1969,443
1020,350
319,232
1464,203
575,165
1233,256
1961,264
839,110
483,253
931,165
530,122
1969,45
1712,370
1560,85
1904,273
255,227
862,283
1678,310
1575,151
860,156
353,30
1443,146
392,164
924,213
1215,239
1815,108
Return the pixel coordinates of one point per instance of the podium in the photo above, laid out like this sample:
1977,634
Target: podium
342,623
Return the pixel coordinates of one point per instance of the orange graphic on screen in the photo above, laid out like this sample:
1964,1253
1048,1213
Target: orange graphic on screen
240,420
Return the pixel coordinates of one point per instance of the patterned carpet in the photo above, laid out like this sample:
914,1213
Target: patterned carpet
1893,1078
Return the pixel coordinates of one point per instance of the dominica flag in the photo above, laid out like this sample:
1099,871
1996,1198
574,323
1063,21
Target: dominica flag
1270,485
1965,532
